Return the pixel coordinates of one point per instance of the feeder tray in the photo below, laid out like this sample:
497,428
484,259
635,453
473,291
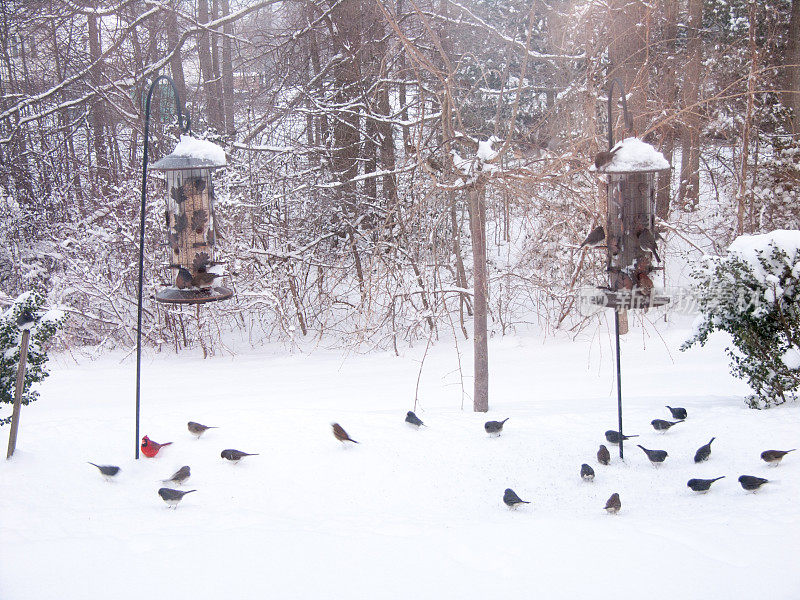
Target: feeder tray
173,295
627,299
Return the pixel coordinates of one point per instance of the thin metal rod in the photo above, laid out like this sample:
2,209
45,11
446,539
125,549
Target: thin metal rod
184,127
619,382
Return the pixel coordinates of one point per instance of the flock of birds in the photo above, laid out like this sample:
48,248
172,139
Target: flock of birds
172,496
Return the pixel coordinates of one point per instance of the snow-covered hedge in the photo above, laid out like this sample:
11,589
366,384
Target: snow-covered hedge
42,330
753,293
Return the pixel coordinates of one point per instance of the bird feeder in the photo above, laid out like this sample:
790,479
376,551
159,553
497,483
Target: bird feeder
631,237
189,217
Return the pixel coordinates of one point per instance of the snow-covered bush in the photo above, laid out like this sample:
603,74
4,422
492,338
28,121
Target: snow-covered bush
752,293
42,331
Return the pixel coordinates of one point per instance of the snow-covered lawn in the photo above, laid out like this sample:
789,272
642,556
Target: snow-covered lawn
405,514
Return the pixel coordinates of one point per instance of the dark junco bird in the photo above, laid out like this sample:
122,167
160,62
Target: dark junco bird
612,437
603,456
702,485
26,318
198,429
340,434
751,483
596,235
703,452
774,457
614,504
605,157
414,420
151,448
677,413
234,455
587,472
172,497
512,500
647,241
656,456
494,427
183,279
662,425
107,471
180,476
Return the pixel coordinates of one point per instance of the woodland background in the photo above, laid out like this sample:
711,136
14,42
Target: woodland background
342,211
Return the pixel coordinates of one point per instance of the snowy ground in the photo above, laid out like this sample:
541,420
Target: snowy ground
405,514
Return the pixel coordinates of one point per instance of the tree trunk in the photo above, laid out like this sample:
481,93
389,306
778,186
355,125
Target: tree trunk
98,112
689,189
477,221
669,98
207,67
175,63
791,96
227,72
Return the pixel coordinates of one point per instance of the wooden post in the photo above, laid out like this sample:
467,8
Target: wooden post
477,221
23,358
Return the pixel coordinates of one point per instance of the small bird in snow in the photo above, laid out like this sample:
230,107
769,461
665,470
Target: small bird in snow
612,437
596,235
662,425
340,434
751,483
183,279
197,429
702,485
603,456
677,412
774,457
172,497
180,476
107,471
703,452
495,428
604,157
614,504
234,455
647,241
512,500
204,278
151,448
587,472
414,420
656,457
25,318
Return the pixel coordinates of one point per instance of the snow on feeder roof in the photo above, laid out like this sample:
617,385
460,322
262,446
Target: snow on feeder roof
632,155
191,153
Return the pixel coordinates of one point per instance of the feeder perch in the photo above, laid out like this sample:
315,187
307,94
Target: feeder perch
631,238
191,230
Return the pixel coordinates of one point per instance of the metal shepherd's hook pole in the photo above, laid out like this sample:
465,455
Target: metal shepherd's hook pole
184,128
629,126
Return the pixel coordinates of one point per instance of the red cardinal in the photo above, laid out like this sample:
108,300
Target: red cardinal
151,448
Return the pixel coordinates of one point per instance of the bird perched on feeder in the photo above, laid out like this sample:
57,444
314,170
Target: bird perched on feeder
184,279
703,452
512,500
751,483
647,241
701,486
109,472
656,457
774,457
414,420
172,497
26,318
596,235
677,413
202,277
614,504
180,476
197,429
603,455
604,157
340,434
587,472
151,448
612,437
495,428
234,455
662,425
